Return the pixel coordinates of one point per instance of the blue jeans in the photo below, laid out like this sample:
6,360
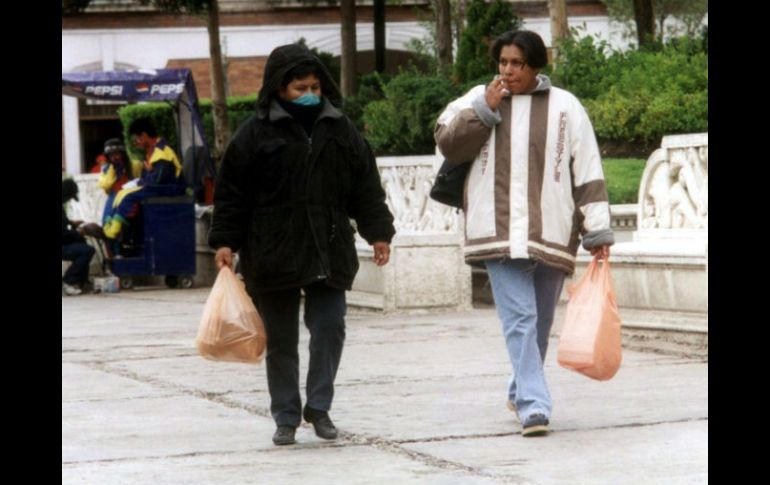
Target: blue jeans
325,319
80,254
526,293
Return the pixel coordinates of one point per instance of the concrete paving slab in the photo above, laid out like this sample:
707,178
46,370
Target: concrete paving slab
294,465
671,453
419,399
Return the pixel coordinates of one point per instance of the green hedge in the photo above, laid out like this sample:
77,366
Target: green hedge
485,21
239,108
401,123
638,95
162,116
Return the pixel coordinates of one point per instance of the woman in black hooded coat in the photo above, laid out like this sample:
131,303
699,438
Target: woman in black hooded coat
291,179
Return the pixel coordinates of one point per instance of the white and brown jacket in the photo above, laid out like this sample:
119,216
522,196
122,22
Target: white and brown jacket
536,183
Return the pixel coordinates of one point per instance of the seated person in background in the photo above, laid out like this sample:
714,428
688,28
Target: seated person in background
101,161
162,176
73,245
116,172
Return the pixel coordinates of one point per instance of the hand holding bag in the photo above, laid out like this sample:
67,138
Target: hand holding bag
590,341
230,330
449,185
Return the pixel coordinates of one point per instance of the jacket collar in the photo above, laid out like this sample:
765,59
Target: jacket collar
278,113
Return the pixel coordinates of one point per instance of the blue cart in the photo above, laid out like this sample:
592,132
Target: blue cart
168,244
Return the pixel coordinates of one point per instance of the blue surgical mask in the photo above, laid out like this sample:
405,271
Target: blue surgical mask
307,99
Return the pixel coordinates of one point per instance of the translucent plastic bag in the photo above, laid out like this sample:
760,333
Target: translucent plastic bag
590,341
231,330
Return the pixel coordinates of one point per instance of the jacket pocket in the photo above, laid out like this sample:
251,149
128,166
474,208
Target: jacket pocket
342,247
272,245
335,165
270,168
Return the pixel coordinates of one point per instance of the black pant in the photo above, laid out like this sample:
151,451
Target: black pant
325,319
80,254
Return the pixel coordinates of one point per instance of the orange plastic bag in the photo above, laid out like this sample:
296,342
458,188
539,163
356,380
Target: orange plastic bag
590,340
231,330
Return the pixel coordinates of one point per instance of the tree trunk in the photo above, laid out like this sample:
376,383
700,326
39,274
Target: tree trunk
443,32
645,21
218,98
379,35
459,19
559,27
348,57
661,22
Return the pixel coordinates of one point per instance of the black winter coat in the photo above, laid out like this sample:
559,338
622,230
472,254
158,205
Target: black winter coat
285,200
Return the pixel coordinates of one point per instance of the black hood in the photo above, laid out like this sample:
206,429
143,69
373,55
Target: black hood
283,59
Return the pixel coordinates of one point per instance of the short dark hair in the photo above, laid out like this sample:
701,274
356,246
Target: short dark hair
113,145
142,125
69,190
531,44
301,71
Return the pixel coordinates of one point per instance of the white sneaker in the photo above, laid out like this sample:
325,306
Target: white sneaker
70,290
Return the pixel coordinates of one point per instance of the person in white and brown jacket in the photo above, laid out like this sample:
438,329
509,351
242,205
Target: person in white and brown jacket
534,190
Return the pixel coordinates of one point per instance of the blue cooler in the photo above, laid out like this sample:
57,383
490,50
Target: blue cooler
168,243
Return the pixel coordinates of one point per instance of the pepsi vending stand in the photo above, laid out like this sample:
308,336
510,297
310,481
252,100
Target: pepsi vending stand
168,241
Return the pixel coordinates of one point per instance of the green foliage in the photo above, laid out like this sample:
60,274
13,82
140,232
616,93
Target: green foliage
638,95
484,23
73,6
622,177
584,66
239,108
402,122
161,115
331,63
672,17
370,88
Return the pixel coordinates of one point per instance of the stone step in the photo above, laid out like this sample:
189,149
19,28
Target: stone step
665,332
365,300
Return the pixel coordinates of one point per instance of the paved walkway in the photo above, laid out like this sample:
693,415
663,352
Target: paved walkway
419,399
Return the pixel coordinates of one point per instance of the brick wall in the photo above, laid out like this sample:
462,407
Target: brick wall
244,74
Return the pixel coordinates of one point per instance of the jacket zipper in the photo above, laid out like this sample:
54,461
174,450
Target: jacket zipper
311,163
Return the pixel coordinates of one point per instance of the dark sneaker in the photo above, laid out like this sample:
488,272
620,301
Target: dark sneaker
535,425
284,435
322,424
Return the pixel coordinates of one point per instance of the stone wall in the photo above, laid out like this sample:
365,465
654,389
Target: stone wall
426,269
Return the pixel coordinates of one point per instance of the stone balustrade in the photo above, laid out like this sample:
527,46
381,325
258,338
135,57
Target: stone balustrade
426,269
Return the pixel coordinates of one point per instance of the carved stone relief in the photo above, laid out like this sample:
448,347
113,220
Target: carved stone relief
674,190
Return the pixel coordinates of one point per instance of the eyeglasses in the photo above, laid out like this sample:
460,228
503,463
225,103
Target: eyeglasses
517,64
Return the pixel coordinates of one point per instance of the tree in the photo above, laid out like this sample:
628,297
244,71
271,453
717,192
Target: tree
458,13
443,32
210,10
559,26
348,56
379,35
645,22
485,22
689,14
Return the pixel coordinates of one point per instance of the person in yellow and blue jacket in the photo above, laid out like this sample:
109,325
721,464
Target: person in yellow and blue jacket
162,176
116,172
